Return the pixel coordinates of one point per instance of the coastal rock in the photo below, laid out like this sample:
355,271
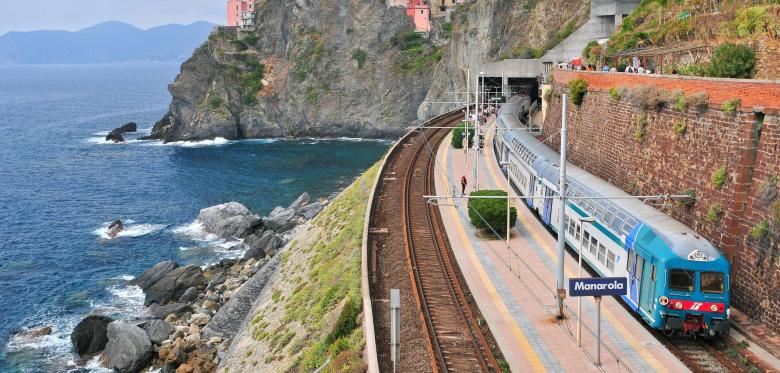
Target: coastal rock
228,220
300,202
189,296
200,360
199,319
173,284
158,330
162,312
259,247
115,136
129,127
115,227
89,336
128,349
280,220
310,211
154,274
35,333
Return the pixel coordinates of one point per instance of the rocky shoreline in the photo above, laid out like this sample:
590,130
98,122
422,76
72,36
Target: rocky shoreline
192,313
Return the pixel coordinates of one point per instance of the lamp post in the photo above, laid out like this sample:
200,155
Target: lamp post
583,220
508,209
560,294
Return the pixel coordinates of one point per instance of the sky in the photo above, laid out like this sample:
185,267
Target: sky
71,15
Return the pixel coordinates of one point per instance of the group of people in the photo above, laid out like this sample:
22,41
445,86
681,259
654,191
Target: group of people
635,67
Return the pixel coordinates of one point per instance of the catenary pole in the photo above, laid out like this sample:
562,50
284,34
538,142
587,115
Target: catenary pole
468,98
562,206
476,128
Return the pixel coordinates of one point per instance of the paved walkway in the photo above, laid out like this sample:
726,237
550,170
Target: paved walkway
513,287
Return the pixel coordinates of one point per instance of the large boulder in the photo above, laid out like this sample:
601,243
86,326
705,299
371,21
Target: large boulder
89,336
158,330
162,312
280,220
264,246
129,127
115,136
189,296
308,212
154,274
299,202
129,349
171,286
229,220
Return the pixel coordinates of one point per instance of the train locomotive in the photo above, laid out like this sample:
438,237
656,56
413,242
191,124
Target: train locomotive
678,281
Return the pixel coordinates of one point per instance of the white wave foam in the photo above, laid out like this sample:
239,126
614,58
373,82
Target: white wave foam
219,141
95,365
195,232
124,277
131,230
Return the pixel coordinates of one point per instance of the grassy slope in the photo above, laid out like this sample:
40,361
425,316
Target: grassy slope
310,312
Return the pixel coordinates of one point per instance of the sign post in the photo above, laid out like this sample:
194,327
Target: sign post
395,325
597,287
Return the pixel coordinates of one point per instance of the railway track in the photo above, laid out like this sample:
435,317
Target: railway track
447,321
700,356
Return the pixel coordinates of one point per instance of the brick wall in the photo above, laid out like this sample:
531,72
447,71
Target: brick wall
602,141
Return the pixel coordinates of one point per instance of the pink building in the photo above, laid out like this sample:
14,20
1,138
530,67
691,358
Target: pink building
420,12
241,14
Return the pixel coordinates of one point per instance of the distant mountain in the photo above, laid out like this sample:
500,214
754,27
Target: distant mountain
104,43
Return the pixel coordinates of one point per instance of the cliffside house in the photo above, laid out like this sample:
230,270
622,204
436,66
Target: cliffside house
241,14
420,12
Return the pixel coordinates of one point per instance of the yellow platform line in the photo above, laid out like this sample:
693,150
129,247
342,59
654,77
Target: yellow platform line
517,332
534,230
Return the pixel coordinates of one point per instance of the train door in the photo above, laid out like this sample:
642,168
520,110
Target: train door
647,295
531,183
635,263
548,204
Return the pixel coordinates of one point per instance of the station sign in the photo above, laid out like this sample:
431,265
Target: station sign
596,287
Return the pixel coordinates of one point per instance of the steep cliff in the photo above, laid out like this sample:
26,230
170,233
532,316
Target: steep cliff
332,68
486,31
347,67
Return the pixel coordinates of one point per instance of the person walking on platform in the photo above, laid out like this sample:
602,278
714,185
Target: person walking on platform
463,183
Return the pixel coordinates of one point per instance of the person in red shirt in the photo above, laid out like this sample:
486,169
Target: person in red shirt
463,183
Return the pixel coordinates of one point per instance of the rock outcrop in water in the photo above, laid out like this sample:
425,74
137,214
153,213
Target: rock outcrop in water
330,68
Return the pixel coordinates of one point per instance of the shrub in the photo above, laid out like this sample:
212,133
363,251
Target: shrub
718,177
578,88
733,61
699,100
694,69
760,230
591,52
446,27
681,126
650,97
714,212
614,94
490,213
547,95
359,55
253,80
251,39
216,102
679,101
641,128
730,106
458,133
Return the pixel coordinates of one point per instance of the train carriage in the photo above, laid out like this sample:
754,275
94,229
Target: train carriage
678,281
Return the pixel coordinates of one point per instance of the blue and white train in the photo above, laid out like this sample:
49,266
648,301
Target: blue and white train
678,281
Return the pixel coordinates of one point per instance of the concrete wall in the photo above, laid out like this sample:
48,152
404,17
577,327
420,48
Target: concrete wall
602,141
605,16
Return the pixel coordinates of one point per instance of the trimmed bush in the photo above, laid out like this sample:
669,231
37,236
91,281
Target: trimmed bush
487,213
733,61
614,94
577,89
458,133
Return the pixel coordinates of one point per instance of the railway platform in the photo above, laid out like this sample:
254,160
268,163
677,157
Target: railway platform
515,288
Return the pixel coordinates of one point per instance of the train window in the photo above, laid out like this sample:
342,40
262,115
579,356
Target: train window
593,244
712,282
630,261
602,253
577,232
681,280
585,239
640,265
610,261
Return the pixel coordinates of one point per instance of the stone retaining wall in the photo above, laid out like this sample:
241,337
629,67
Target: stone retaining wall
602,140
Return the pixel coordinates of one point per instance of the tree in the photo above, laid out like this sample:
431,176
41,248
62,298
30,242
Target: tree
487,213
733,61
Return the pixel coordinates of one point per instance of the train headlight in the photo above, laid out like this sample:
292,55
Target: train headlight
678,305
714,308
663,300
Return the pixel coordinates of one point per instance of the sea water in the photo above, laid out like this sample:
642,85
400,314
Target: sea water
61,184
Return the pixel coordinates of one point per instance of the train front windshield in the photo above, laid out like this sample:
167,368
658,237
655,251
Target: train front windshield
685,280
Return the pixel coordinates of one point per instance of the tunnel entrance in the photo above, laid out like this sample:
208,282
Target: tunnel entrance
529,86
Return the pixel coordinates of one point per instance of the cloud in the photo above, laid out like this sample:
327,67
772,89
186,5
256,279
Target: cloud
78,14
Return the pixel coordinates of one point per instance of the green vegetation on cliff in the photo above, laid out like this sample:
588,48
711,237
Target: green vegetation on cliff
417,53
309,316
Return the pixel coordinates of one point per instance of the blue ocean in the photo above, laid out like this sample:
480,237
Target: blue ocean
61,184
